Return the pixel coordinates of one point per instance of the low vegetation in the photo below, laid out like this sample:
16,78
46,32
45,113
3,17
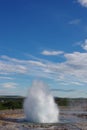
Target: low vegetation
16,102
62,101
11,102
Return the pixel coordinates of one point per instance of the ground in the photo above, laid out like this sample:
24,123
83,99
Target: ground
69,120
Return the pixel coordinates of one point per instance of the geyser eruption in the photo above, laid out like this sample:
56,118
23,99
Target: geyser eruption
39,106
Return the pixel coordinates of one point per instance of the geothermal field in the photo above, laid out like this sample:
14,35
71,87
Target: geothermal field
41,111
43,64
69,120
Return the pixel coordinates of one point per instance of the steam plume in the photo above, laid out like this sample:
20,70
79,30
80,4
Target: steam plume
39,106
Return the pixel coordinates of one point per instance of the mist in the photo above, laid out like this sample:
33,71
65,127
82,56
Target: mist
39,105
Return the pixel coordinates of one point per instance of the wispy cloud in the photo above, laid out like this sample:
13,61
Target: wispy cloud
83,2
75,22
5,91
71,71
6,78
63,90
51,53
11,65
9,85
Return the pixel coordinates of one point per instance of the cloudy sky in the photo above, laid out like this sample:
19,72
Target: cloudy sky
44,40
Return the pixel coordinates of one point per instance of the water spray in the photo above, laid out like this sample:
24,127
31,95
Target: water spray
39,106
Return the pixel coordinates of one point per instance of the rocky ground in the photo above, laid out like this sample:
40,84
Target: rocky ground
14,120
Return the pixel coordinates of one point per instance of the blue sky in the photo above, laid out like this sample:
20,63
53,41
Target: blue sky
44,40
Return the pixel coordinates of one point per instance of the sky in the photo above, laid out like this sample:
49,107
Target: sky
43,40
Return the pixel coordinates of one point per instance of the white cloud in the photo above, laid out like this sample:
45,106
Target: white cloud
75,22
9,85
77,63
6,78
76,83
73,70
5,91
83,2
37,63
51,53
8,65
84,45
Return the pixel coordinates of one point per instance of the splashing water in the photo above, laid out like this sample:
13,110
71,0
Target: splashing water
39,106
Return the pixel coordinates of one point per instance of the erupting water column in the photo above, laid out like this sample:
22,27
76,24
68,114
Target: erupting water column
39,106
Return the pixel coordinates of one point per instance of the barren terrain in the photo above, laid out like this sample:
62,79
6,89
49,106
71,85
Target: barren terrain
15,120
